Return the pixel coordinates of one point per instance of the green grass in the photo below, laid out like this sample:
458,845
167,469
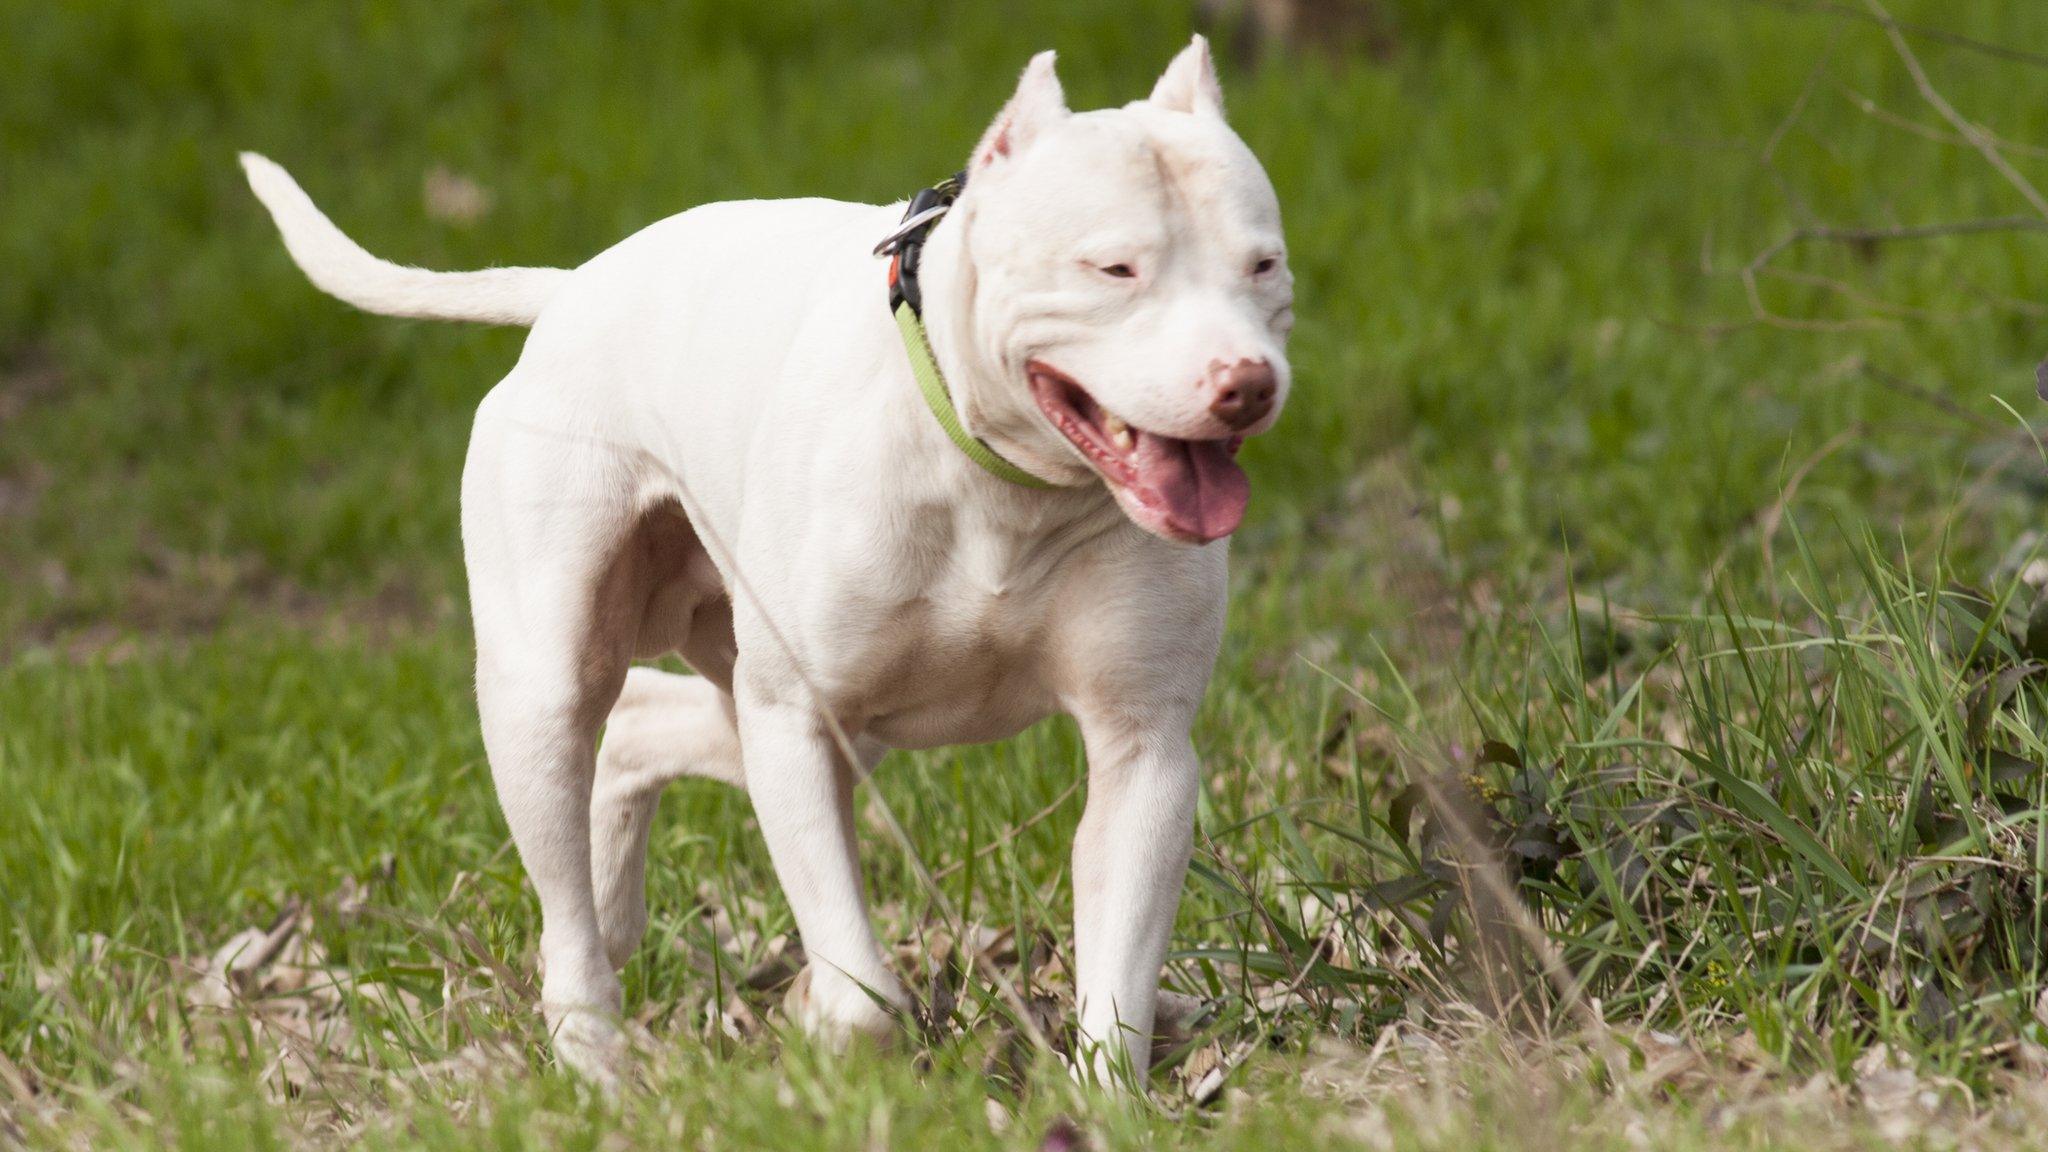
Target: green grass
1717,627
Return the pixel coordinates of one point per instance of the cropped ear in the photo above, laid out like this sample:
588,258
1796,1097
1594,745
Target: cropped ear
1189,83
1037,105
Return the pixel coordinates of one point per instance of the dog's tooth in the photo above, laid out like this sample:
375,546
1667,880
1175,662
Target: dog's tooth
1119,432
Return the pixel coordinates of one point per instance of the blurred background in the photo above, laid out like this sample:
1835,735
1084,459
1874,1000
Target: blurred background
1630,332
1519,232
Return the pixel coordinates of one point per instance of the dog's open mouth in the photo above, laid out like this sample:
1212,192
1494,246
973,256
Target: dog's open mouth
1189,490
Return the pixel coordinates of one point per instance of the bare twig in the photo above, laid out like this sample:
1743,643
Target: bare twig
1016,831
1928,395
1883,115
1760,264
1990,472
1983,141
1768,520
1878,235
1777,136
1767,524
463,878
2001,300
1768,157
1857,296
1923,31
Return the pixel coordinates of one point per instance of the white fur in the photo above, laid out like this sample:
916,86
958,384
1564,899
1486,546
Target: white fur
340,267
713,445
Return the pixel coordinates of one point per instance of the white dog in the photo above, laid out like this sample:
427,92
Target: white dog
864,534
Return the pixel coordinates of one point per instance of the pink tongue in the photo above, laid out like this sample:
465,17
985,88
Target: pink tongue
1195,483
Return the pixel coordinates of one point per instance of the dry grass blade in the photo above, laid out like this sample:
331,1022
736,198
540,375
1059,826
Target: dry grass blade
1205,1089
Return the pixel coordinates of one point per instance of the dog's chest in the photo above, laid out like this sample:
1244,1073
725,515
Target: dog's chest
952,646
948,674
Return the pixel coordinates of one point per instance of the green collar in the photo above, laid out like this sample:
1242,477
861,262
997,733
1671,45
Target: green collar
940,401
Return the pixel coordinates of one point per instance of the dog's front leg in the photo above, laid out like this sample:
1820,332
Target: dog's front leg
1130,858
802,789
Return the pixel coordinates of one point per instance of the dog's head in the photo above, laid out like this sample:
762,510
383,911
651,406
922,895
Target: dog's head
1130,293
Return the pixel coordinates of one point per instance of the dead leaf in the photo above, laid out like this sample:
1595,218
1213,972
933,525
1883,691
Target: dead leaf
453,198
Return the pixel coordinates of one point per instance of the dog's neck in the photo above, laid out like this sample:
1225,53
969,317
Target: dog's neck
989,393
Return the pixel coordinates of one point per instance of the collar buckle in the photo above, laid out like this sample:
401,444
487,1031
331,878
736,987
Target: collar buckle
906,242
917,222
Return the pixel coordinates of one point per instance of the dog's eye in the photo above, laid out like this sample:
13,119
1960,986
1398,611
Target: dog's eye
1119,271
1265,264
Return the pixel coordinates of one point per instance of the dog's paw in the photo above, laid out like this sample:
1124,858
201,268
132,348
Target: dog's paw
833,1009
590,1043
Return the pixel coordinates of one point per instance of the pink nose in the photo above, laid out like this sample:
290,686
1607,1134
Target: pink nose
1241,394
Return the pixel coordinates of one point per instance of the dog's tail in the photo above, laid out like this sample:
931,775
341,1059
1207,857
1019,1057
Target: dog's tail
339,267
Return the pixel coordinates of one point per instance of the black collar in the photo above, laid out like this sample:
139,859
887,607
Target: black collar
906,244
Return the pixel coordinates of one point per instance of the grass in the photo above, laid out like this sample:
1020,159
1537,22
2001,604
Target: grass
1705,621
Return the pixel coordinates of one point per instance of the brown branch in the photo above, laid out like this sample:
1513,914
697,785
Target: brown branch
1856,295
1767,526
1883,115
1768,158
1928,395
1923,31
1987,144
1839,234
1767,521
1013,833
1870,235
1980,139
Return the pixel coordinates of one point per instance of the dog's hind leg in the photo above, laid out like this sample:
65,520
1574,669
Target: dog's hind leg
556,595
664,727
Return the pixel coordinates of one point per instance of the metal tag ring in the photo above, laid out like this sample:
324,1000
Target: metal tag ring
910,224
